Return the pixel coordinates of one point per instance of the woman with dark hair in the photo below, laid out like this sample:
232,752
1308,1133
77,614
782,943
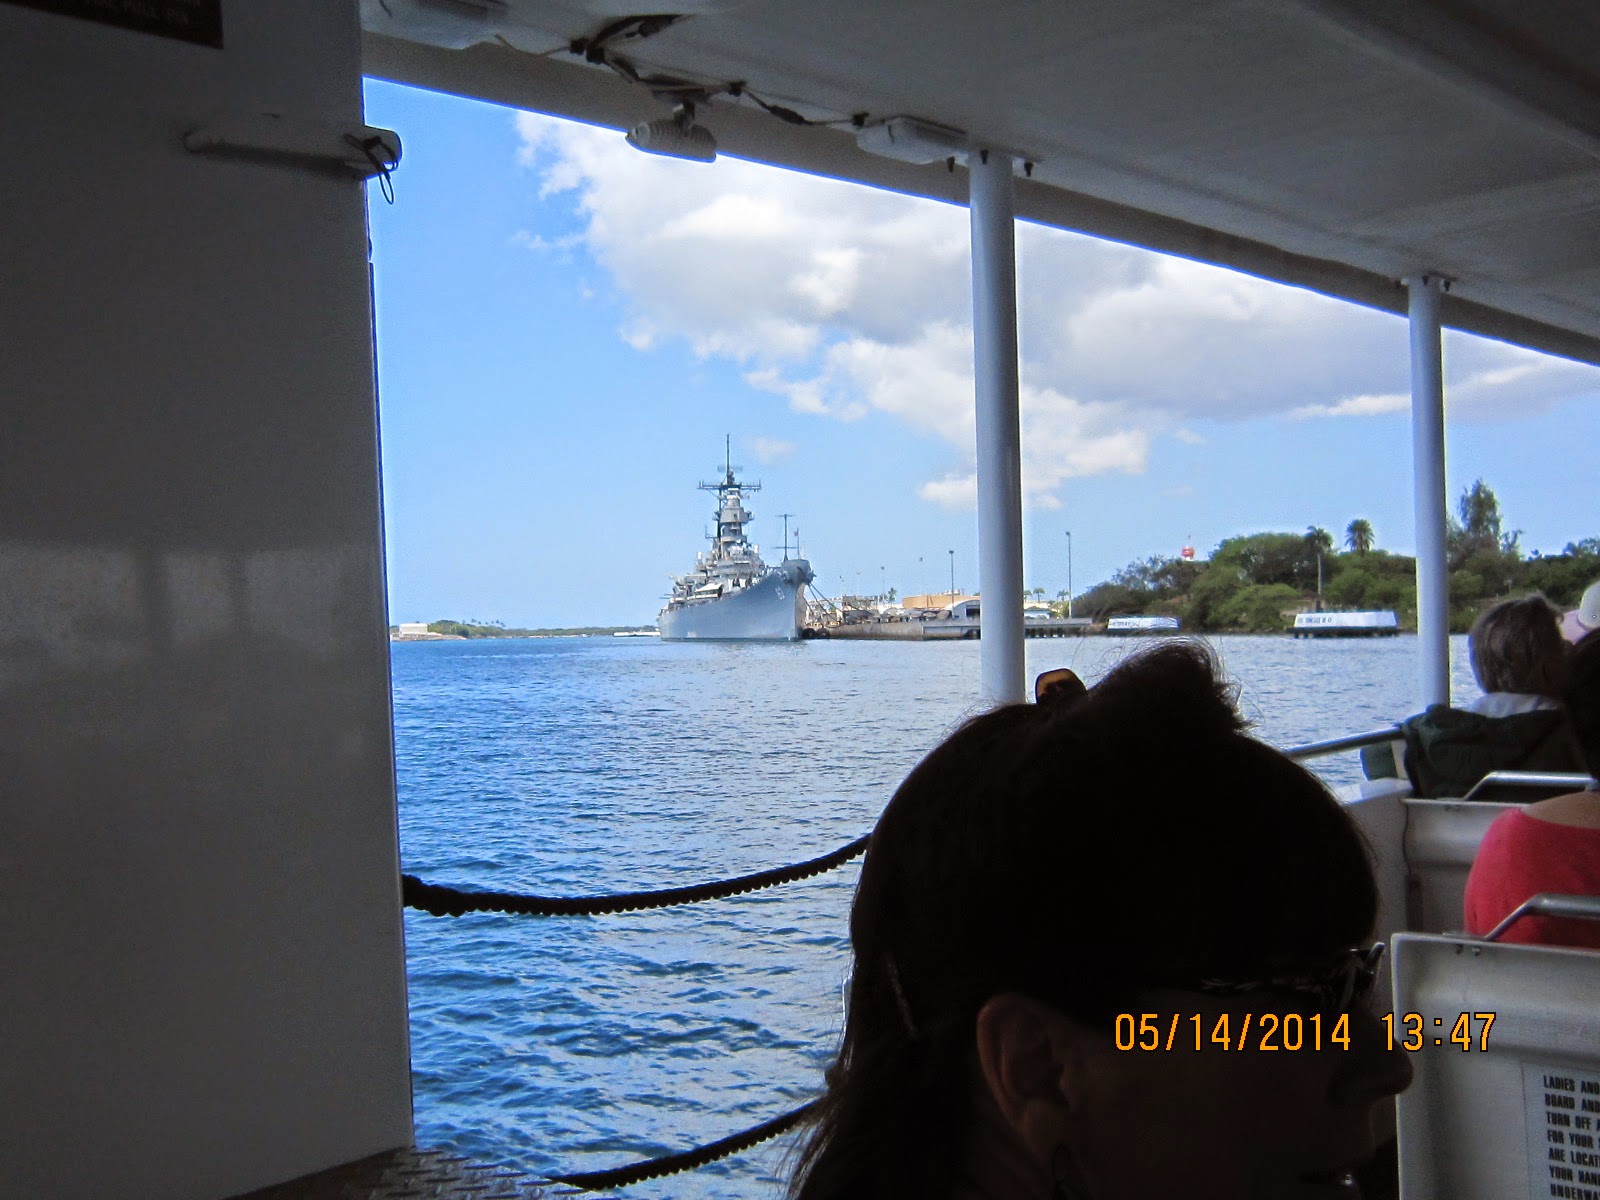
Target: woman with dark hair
1551,846
1117,867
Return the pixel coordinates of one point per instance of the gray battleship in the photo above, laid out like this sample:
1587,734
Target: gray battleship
731,595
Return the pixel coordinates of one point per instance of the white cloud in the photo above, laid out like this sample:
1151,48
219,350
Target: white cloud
1509,382
1506,383
639,333
815,396
1356,406
540,244
770,450
956,492
844,300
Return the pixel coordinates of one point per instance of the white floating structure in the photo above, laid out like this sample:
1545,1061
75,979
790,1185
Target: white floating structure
1382,623
1131,625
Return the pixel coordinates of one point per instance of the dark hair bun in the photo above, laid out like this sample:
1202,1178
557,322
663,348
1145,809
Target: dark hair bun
1174,691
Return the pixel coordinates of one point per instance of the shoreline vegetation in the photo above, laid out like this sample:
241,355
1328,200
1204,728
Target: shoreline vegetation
456,631
1256,583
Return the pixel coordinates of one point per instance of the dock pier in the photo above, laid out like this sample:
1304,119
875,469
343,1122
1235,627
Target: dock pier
942,629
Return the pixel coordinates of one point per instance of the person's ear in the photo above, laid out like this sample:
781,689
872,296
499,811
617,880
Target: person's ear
1026,1052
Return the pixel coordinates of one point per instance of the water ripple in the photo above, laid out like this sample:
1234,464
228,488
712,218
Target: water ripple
584,766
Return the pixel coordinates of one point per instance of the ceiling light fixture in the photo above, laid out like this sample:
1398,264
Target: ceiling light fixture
676,136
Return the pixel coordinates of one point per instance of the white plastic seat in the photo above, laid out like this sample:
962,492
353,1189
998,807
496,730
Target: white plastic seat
1441,842
1518,1114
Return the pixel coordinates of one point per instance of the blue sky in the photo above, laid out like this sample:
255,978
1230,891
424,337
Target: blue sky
567,329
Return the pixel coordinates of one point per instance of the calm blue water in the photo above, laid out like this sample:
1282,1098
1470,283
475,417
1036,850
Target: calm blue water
589,765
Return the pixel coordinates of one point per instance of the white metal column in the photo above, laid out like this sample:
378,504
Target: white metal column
1427,451
994,332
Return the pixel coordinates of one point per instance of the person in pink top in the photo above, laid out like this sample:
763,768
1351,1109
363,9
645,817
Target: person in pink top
1551,846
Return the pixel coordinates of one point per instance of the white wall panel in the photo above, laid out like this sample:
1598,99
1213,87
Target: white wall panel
201,962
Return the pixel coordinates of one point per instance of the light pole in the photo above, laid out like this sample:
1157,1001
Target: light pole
1069,574
952,577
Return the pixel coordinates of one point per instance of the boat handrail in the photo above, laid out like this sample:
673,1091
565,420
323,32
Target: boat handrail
1548,904
1353,741
1571,781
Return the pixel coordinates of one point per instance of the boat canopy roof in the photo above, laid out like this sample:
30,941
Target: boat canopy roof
1337,145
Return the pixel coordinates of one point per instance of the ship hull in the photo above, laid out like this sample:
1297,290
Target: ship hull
771,610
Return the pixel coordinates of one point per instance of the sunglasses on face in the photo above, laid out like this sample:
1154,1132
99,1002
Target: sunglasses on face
1332,992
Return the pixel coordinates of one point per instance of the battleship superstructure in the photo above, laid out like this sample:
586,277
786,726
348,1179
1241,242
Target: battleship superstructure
731,594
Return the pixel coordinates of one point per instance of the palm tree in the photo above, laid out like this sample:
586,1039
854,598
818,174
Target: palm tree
1318,541
1358,536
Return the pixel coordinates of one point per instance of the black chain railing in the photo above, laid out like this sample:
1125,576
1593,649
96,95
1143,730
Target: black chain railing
672,1164
444,901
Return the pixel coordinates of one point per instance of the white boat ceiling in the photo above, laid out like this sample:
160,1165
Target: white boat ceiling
1338,145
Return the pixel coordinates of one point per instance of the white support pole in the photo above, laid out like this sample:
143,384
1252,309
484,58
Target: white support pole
1427,451
994,333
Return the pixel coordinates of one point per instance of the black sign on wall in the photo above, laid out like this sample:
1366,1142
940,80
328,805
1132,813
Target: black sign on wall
198,21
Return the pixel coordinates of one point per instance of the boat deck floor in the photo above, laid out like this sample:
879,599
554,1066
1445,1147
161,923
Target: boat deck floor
413,1174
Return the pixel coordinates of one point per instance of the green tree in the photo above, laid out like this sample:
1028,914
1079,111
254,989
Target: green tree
1351,588
1111,599
1176,576
1319,546
1465,587
1259,608
1563,577
1268,558
1358,535
1480,514
1211,590
1394,592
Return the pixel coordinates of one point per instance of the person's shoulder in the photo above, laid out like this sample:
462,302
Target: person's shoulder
1442,721
1511,704
1441,716
1573,811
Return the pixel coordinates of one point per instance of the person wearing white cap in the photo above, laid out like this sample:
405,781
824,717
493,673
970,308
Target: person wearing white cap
1584,619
